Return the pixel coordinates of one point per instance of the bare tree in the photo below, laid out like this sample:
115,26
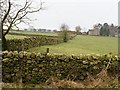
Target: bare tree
78,29
64,32
13,13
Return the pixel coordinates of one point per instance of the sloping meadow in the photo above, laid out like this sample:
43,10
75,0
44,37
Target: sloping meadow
33,40
36,67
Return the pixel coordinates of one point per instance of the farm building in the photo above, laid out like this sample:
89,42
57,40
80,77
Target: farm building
117,33
94,31
113,31
84,33
91,32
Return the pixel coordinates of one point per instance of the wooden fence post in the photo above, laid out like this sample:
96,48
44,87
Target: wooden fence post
47,51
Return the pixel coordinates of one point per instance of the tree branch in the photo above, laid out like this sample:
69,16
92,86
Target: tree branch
5,17
15,18
40,8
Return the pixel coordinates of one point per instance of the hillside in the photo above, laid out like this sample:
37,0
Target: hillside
83,44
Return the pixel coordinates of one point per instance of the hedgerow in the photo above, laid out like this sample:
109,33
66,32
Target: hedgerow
25,44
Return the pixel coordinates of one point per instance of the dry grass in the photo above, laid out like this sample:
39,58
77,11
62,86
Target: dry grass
101,80
53,82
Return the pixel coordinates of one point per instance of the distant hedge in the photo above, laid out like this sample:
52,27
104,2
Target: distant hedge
24,44
37,68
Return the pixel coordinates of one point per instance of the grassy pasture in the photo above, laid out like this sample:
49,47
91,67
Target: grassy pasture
14,37
8,36
36,33
83,45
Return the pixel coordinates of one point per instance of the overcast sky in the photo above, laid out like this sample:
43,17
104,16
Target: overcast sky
85,13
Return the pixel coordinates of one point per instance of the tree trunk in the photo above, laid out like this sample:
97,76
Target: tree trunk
4,43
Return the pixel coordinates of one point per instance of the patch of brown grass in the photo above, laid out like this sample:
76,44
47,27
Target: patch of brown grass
53,82
101,80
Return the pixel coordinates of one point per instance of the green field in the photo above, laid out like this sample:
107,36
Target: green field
9,36
36,33
14,37
83,45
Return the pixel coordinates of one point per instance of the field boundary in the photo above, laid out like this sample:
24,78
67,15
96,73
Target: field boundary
37,67
26,43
